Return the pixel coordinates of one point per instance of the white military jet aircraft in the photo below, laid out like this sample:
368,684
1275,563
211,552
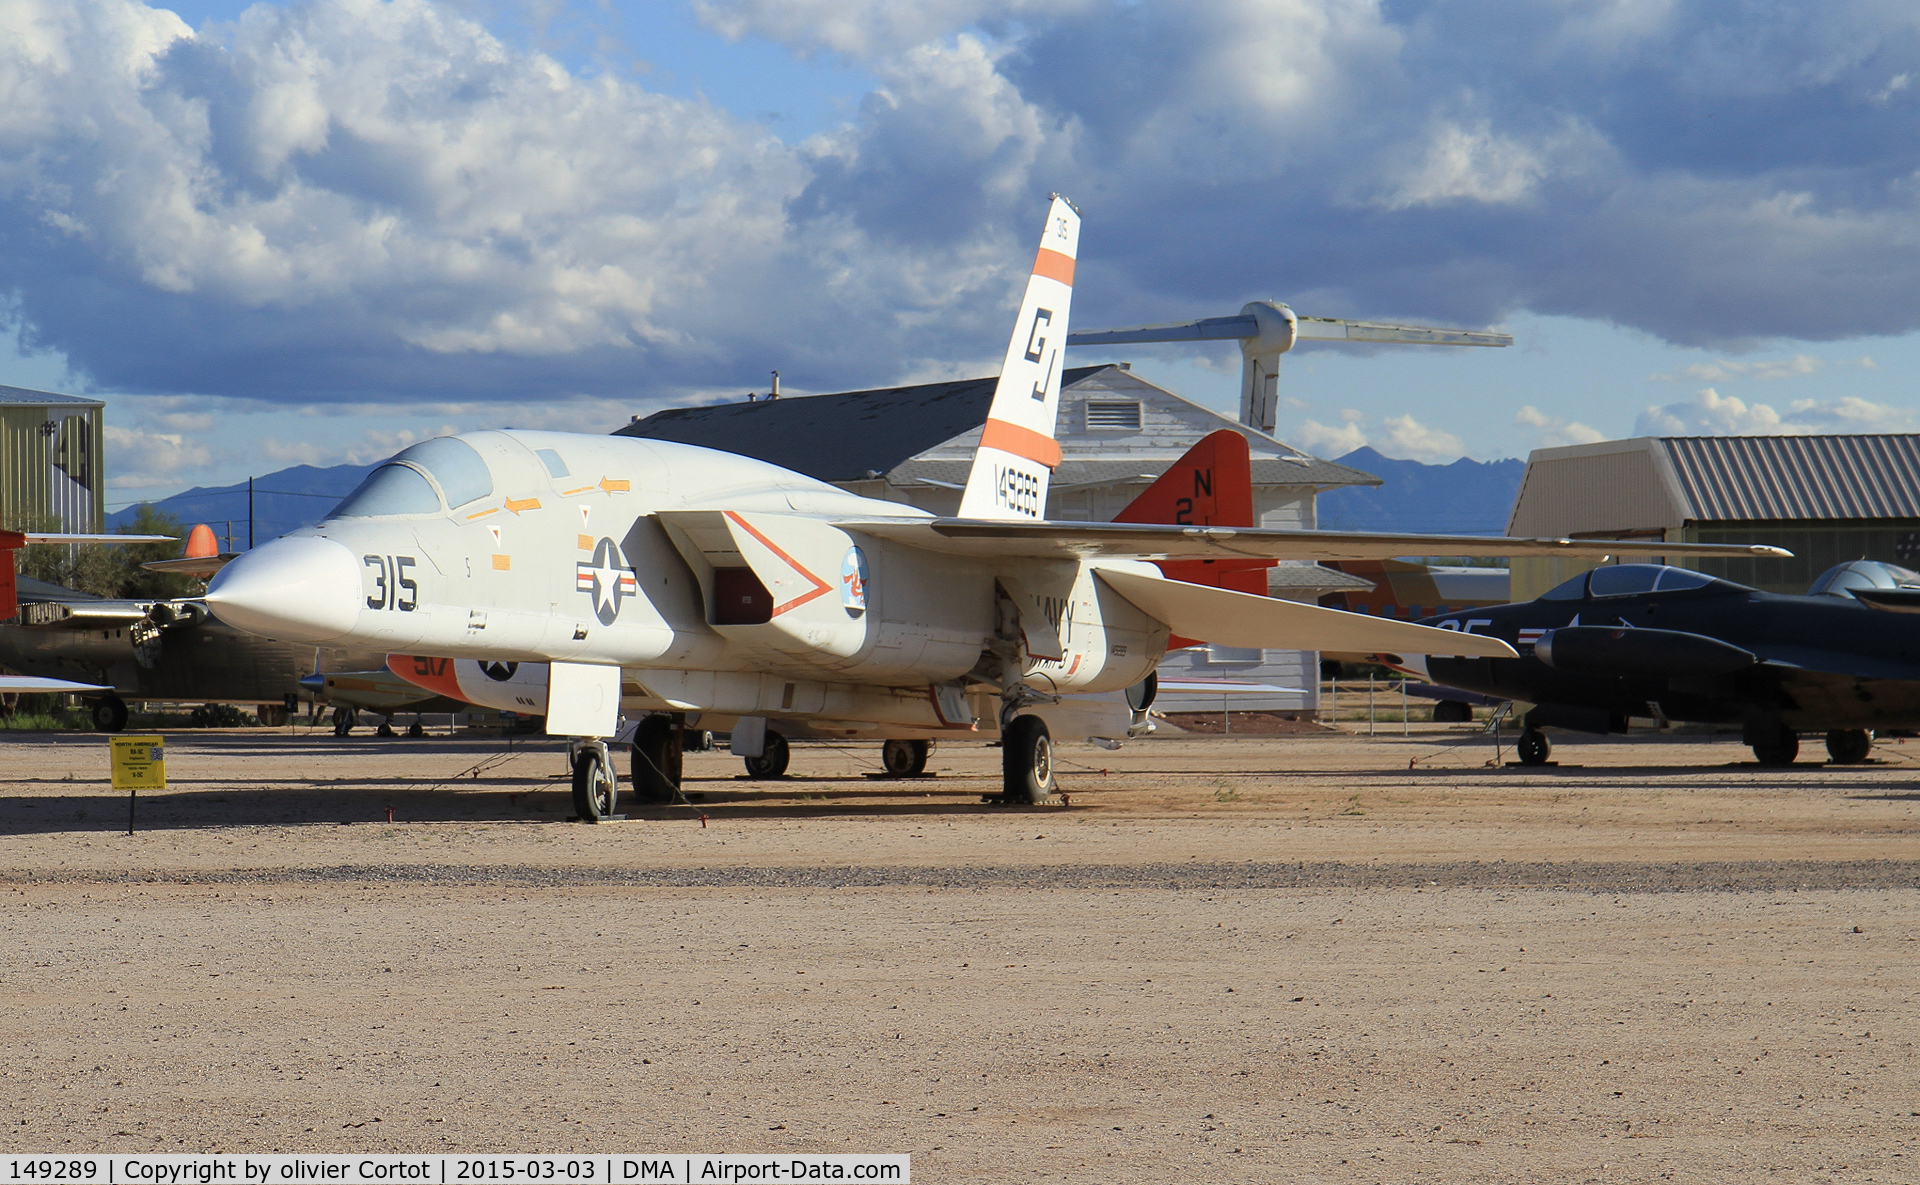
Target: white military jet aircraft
661,577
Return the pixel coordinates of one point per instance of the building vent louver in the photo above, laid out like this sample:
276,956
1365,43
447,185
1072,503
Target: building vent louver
1114,413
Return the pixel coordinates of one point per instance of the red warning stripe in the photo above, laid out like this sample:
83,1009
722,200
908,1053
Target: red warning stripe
1021,442
1054,266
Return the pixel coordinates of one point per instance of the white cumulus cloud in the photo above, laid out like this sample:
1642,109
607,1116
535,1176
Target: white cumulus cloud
1553,431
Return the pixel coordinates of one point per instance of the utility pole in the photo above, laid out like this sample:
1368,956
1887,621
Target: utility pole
249,514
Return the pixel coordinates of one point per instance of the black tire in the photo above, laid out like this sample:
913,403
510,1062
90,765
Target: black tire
904,759
344,720
109,713
1534,747
772,762
595,791
416,730
1452,711
695,740
1779,747
656,761
1026,760
1849,746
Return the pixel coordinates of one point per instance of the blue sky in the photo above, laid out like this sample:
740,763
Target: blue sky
315,232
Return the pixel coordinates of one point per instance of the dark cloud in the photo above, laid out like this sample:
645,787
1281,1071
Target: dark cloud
333,202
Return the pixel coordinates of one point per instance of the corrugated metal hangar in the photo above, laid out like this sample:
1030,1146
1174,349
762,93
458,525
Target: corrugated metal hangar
1827,499
50,461
1117,433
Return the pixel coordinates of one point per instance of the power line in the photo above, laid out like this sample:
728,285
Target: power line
233,493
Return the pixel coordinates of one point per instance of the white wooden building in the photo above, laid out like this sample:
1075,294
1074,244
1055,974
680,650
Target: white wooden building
1117,433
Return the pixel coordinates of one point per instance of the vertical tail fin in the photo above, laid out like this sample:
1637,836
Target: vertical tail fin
1210,486
1017,453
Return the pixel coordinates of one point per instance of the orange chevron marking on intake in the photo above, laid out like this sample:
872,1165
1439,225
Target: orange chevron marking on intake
820,586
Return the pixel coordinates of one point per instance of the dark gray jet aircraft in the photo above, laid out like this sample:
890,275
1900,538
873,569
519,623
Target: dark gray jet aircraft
1673,644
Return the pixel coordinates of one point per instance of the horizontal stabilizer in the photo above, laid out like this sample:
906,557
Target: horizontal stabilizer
1228,618
193,565
1157,541
36,685
1245,327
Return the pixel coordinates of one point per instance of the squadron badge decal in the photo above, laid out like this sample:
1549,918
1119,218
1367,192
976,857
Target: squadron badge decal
607,579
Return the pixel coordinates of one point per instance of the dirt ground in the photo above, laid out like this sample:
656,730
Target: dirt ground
1291,958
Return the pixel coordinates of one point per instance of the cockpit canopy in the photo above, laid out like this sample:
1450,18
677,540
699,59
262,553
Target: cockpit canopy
1631,580
1841,579
401,486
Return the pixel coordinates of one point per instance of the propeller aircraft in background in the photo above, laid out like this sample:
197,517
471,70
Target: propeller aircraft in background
661,578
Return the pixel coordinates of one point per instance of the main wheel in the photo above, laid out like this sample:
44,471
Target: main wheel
416,730
772,762
343,721
594,789
1452,711
656,761
1026,760
109,713
1779,747
904,759
1849,746
386,727
1534,747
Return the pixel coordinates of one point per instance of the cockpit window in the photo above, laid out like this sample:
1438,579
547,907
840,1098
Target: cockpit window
390,489
551,459
462,475
1571,590
1678,578
1842,579
1623,580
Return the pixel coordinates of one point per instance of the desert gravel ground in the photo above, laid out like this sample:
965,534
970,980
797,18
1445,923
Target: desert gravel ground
1315,958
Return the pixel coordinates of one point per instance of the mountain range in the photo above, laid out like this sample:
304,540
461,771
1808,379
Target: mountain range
1464,498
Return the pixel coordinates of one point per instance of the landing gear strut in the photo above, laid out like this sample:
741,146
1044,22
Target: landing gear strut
1849,746
905,759
343,721
657,748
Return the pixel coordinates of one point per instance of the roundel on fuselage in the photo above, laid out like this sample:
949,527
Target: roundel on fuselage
606,579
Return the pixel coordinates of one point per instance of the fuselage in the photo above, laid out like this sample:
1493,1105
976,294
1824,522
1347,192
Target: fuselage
1825,662
689,568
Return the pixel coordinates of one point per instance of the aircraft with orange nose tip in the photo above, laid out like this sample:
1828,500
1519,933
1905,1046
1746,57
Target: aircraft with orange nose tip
667,579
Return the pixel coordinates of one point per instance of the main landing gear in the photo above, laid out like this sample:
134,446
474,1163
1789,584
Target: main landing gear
1026,761
109,713
1533,747
1773,742
905,759
1849,746
344,720
658,743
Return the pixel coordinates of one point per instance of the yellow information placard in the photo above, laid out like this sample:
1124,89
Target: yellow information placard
139,763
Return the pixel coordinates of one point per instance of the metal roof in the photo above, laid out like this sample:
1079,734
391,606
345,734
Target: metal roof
22,396
1797,477
1266,471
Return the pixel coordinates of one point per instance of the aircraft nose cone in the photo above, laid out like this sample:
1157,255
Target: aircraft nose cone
303,589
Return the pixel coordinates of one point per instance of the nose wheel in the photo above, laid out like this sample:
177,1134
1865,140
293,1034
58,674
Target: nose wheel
343,721
596,790
772,761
